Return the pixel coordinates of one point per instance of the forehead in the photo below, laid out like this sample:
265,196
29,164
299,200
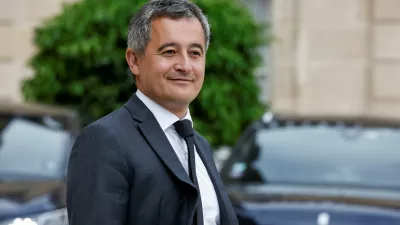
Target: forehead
181,31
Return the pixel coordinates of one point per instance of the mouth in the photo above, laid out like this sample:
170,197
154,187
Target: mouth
181,80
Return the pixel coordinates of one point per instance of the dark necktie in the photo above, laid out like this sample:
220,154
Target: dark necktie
185,130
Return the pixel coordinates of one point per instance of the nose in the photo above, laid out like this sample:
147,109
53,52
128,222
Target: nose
183,65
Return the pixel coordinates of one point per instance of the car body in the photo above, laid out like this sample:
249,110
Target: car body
301,171
35,141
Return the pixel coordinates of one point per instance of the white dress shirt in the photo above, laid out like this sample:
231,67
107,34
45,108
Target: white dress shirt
166,120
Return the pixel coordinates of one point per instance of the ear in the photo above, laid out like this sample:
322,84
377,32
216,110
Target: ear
132,60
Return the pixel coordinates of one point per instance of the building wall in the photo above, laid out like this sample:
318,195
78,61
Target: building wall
18,18
336,57
261,10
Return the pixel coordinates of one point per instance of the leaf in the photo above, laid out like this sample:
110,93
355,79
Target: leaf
80,62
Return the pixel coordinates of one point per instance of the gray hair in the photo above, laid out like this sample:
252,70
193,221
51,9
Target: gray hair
139,30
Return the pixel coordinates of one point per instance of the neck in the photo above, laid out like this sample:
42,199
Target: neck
176,108
180,112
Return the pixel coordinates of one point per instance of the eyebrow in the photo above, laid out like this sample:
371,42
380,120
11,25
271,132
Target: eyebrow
173,44
197,46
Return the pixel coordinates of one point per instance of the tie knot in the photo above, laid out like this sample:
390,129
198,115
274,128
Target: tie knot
184,128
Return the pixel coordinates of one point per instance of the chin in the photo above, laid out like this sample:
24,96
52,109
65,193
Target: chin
182,99
183,93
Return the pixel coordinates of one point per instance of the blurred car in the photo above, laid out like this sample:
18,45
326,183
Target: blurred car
34,147
294,171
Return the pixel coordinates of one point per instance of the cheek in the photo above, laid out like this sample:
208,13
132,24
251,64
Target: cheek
162,66
199,70
155,72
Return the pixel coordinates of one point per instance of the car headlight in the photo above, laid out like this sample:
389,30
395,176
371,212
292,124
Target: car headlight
57,217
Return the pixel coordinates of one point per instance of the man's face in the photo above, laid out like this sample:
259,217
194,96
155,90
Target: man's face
171,72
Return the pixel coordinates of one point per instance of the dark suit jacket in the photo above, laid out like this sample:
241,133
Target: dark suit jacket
123,171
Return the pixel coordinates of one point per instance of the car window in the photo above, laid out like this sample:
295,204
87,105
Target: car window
320,155
32,148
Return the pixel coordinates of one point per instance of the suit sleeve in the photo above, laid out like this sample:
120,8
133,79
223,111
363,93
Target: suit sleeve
97,179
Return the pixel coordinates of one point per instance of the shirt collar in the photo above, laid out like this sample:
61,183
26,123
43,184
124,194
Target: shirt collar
164,117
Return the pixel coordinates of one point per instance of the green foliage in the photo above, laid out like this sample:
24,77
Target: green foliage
81,63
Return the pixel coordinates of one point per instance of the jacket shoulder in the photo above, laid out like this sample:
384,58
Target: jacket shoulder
102,132
111,120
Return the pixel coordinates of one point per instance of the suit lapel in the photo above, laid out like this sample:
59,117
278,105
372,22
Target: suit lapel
156,138
208,162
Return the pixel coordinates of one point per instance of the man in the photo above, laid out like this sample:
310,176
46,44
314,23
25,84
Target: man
143,164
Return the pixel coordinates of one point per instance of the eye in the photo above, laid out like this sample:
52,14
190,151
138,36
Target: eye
195,53
169,53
